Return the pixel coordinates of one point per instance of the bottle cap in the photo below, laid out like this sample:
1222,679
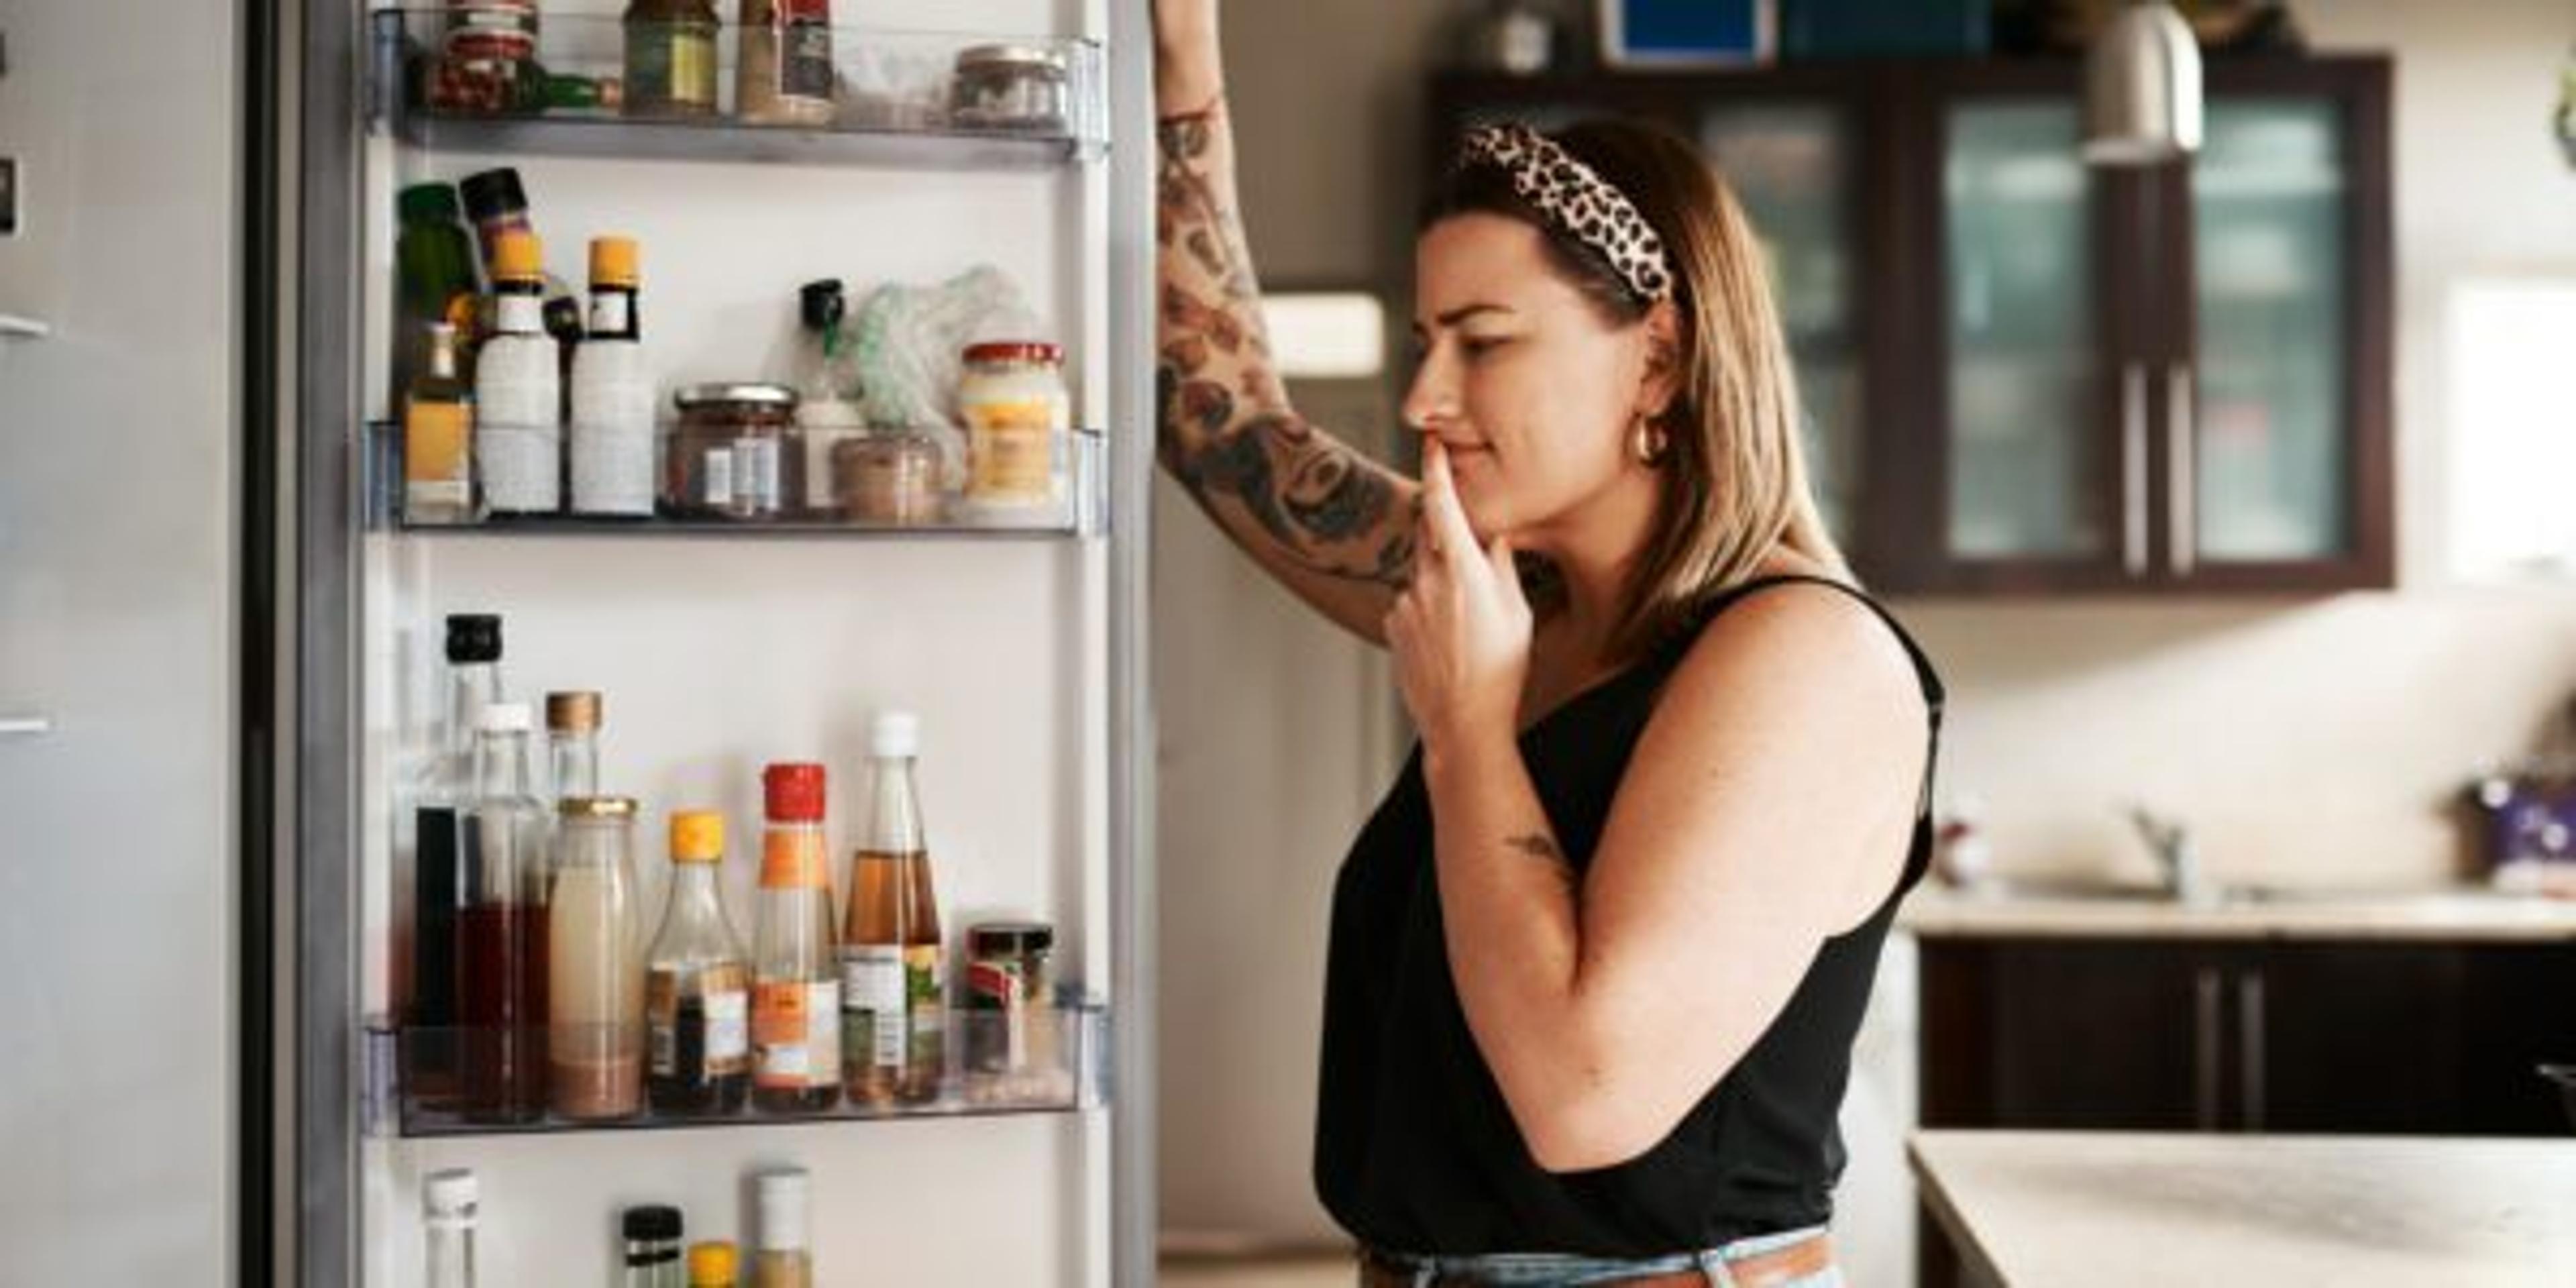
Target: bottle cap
1009,938
1015,351
503,717
427,203
517,256
493,194
711,1265
473,638
697,836
793,792
576,711
780,1211
612,262
894,735
821,304
652,1221
451,1193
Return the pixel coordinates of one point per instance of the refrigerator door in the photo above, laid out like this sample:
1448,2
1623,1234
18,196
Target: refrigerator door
118,571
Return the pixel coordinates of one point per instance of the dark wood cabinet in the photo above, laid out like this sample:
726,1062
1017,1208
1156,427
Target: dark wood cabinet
2027,376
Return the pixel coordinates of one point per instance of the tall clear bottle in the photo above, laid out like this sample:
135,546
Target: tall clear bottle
501,973
595,964
796,987
448,1200
432,843
896,1022
518,388
697,984
572,745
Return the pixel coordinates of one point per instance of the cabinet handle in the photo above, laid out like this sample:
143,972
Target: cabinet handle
2249,1036
2182,441
2205,1041
2133,468
26,726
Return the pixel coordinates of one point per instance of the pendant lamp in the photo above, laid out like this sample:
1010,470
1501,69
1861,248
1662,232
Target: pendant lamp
2142,88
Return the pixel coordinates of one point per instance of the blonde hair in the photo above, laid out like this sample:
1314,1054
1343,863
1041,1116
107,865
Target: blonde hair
1733,476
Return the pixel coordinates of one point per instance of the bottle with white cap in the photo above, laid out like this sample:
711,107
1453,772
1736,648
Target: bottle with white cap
501,926
782,1256
447,1202
894,1030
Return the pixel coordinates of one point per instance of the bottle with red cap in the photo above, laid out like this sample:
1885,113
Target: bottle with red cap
796,989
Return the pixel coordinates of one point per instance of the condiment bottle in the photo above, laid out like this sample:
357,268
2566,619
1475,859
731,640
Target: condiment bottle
783,75
572,744
653,1247
781,1255
670,58
438,434
796,990
712,1265
518,436
897,1022
823,409
1014,401
596,1047
498,203
435,260
501,935
697,984
447,1208
612,392
1007,995
439,795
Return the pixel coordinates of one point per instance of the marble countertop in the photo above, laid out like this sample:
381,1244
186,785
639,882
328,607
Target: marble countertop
2459,914
2110,1209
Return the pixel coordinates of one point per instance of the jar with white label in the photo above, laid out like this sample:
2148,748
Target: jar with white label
1018,414
737,453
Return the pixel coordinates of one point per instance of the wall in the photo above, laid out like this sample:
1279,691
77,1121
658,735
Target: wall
2308,741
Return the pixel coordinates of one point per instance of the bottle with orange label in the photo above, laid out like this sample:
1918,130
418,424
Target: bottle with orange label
796,990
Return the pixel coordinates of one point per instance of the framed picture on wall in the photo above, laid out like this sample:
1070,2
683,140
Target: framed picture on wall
1687,33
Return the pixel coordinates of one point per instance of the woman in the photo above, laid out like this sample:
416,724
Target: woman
1598,960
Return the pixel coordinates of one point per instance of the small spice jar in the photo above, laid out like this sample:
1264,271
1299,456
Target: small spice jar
888,476
671,58
1010,87
487,63
1016,410
737,453
1008,996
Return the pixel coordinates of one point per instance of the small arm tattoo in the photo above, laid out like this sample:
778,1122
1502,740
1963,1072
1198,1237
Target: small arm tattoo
1537,846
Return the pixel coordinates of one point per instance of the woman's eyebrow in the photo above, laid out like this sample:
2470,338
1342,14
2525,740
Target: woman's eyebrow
1460,314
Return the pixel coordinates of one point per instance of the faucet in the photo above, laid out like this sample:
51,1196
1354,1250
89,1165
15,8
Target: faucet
2177,858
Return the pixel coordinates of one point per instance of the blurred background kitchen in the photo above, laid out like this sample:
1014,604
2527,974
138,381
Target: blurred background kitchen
2226,483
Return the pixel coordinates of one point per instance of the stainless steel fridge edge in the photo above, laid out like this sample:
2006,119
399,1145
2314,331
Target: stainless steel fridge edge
1133,1206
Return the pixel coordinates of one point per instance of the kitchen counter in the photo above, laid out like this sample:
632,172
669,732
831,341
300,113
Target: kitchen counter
2464,914
2107,1209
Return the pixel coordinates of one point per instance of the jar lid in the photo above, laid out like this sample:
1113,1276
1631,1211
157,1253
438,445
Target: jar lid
1015,57
1009,938
652,1221
450,1193
1003,351
734,394
597,807
574,712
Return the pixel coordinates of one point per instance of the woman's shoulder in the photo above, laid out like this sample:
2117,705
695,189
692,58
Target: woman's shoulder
1805,636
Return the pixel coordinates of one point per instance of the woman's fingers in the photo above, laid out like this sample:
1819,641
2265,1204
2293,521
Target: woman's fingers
1445,516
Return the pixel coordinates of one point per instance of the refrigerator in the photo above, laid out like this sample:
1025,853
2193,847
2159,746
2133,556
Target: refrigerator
720,647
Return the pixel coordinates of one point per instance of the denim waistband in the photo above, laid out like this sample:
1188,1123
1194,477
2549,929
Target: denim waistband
1554,1268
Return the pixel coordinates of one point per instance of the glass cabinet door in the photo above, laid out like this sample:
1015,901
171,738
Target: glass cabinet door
2027,467
2260,444
1791,168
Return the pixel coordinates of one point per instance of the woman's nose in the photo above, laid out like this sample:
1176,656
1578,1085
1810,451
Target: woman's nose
1432,399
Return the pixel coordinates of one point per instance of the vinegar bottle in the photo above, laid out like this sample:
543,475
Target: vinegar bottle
796,990
897,1018
501,927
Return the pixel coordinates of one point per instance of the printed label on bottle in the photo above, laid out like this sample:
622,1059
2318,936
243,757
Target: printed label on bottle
715,477
793,860
662,1024
434,441
728,1031
806,70
781,1033
756,471
693,67
928,1009
823,1033
608,313
872,978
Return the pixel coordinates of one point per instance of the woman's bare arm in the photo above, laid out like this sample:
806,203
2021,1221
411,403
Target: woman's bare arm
1332,525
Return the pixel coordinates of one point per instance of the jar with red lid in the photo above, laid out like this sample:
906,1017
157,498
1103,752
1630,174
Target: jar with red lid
1017,415
487,60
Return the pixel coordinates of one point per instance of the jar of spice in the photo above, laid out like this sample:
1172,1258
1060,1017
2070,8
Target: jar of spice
783,63
1008,996
1010,87
1016,410
487,63
671,58
888,476
736,453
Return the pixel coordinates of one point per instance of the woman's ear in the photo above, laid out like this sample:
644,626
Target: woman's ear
1662,382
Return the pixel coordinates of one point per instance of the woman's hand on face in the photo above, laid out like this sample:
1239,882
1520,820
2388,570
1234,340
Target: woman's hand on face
1461,632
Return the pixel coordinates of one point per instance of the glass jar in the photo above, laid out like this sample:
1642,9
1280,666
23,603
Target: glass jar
595,964
1008,995
1010,87
737,453
487,63
888,476
1016,410
671,58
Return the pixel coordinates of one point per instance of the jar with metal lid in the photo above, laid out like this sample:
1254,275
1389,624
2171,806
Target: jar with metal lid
888,476
487,60
1017,412
1011,87
1009,998
737,453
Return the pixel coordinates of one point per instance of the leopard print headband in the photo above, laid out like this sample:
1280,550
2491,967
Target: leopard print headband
1578,201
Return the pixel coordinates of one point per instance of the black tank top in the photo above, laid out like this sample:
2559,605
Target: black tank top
1416,1150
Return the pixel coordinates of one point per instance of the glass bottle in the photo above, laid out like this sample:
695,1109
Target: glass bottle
611,435
782,1255
897,1021
518,431
796,988
436,850
501,975
697,986
447,1208
713,1264
823,408
595,1049
653,1248
438,433
670,58
498,203
572,744
435,262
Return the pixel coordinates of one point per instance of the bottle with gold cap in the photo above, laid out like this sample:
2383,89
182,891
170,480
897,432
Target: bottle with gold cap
714,1264
572,742
612,393
518,429
697,989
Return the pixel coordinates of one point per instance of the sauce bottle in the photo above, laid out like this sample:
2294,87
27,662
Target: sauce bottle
697,985
796,988
501,973
897,1021
595,1051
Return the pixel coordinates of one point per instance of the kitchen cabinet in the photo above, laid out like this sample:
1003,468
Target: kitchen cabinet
2026,376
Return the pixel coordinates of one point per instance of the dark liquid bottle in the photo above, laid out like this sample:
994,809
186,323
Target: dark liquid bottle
697,989
501,968
440,794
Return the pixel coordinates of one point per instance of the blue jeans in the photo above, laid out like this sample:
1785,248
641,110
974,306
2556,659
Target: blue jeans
1556,1270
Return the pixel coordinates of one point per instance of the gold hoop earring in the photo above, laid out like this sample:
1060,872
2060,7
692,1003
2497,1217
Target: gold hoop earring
1648,442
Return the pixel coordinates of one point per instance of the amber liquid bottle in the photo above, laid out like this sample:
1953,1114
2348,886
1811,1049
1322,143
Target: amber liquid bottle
795,990
501,965
895,1020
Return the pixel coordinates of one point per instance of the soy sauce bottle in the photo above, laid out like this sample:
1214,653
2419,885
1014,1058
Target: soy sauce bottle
697,985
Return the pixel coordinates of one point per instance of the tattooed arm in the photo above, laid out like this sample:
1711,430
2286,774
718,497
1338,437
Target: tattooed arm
1333,526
